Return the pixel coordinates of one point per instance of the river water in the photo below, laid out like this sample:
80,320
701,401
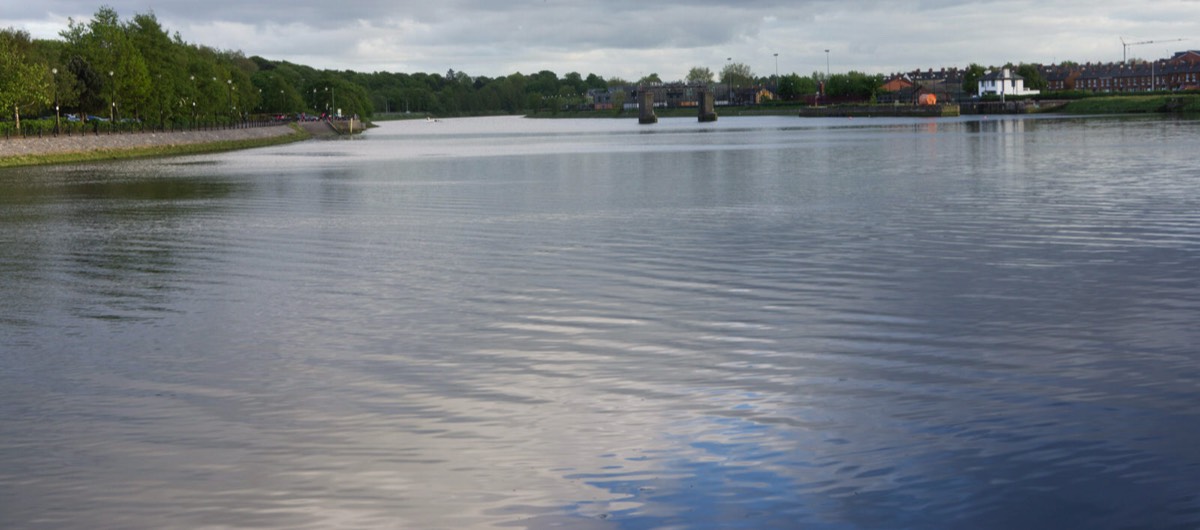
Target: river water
508,323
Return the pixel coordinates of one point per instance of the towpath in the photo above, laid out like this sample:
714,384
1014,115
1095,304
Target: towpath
104,142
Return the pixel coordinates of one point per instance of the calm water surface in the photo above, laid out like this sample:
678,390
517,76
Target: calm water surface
509,323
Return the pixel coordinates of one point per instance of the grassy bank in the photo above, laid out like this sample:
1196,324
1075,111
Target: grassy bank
1188,103
152,151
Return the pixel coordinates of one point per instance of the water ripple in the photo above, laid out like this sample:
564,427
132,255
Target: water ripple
757,324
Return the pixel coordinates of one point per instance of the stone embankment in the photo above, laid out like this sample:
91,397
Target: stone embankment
870,111
51,145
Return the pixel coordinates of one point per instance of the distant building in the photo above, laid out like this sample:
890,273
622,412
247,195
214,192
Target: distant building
907,87
607,98
896,84
1180,72
1004,83
676,95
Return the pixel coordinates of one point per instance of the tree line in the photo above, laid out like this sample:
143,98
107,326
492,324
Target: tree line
109,69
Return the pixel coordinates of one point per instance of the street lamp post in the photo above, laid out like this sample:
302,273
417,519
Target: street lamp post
112,98
162,122
230,83
57,123
776,68
825,85
216,104
193,78
729,77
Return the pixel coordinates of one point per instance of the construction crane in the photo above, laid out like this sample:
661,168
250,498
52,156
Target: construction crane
1126,45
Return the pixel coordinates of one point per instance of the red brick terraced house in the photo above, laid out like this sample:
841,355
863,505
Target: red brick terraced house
1180,72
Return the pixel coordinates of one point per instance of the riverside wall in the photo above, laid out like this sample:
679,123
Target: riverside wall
83,143
866,111
1028,106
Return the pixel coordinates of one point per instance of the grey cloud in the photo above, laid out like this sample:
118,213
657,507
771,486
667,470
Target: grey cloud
497,38
573,31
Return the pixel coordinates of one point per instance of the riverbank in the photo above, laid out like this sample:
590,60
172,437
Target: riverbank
83,148
676,112
1152,104
804,111
879,111
1119,104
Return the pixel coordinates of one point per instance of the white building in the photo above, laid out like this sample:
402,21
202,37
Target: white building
1003,83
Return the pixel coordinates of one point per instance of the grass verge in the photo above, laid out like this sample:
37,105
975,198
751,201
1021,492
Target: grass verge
1189,103
297,134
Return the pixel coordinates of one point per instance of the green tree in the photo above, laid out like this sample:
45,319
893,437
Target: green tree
24,81
544,83
110,54
1032,75
162,56
512,92
596,82
854,84
971,77
737,74
650,80
792,86
618,100
574,81
278,96
699,75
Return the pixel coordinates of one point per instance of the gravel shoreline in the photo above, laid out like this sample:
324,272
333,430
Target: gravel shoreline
84,143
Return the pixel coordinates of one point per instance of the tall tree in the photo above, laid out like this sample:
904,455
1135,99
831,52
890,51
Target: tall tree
575,81
737,74
1033,76
596,82
24,81
544,83
650,80
107,49
792,86
971,77
854,84
699,75
162,57
278,95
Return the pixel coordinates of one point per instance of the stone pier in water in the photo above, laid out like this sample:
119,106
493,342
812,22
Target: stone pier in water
646,107
707,112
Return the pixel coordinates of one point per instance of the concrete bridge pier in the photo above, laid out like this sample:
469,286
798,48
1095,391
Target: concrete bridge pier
707,112
646,107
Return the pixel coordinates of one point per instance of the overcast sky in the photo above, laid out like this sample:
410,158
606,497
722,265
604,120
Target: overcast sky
633,38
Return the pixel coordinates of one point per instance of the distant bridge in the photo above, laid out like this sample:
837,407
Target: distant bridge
704,103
